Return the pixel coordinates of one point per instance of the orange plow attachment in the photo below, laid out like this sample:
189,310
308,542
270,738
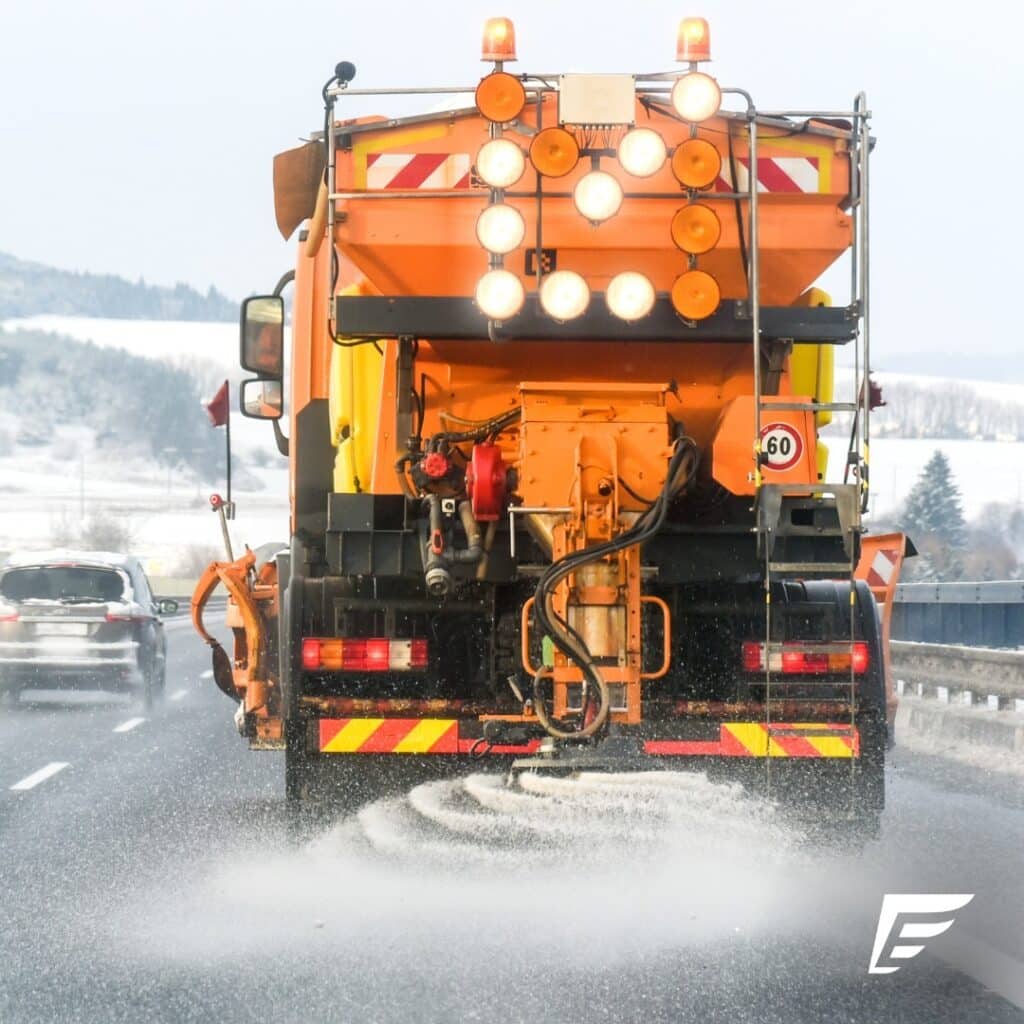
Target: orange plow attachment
250,676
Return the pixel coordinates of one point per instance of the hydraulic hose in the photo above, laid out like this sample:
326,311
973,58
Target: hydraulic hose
477,432
680,470
474,549
439,557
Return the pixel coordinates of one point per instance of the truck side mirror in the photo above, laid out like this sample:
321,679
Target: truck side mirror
262,399
262,326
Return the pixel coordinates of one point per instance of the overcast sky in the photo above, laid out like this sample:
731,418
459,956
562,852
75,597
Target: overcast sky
137,136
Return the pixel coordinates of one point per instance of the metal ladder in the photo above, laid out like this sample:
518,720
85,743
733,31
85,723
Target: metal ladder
848,498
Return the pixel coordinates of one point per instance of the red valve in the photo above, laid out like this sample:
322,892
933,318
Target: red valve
435,465
487,482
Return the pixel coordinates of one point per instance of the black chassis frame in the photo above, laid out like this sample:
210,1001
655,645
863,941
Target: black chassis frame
459,318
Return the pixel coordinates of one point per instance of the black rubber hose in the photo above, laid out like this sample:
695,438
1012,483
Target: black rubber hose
474,550
477,433
649,523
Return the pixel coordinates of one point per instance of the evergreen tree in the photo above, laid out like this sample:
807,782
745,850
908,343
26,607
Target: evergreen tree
933,505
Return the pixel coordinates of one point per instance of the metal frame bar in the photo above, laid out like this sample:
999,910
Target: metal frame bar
458,318
423,193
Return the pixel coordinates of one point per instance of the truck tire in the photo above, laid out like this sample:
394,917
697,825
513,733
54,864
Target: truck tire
298,765
331,783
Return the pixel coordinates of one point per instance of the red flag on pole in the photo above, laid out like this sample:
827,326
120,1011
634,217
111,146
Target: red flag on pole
217,409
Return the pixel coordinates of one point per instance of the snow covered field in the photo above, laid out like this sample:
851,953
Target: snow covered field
985,471
167,515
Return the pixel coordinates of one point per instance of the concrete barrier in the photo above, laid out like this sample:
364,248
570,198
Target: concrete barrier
991,740
177,587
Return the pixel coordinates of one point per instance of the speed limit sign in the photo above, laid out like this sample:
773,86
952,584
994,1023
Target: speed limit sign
781,445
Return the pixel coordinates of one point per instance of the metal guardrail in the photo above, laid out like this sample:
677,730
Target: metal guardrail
961,675
989,614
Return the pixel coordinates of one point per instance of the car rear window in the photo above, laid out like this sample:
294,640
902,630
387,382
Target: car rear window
62,582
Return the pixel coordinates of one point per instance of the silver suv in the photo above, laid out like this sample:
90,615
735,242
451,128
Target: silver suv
72,619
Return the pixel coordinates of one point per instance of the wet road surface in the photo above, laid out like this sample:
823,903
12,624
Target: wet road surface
150,872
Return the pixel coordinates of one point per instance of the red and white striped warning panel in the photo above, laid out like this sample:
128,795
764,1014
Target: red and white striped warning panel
774,174
418,170
882,567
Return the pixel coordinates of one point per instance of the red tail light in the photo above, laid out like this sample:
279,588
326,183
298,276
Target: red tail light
375,656
111,617
802,660
861,657
369,654
419,654
752,656
12,617
802,663
310,653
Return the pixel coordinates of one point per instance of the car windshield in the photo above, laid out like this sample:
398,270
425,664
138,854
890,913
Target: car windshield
62,583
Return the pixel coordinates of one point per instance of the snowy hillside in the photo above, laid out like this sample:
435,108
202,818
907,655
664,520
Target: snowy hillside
53,486
28,288
207,350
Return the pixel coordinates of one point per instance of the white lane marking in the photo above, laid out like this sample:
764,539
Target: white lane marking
30,781
208,674
995,970
129,725
178,695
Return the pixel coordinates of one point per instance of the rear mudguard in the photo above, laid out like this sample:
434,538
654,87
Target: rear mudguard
881,559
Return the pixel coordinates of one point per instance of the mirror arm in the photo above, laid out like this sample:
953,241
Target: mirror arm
283,282
280,439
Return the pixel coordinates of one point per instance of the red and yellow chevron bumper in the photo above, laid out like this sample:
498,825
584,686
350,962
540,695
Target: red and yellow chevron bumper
405,736
756,739
441,736
389,736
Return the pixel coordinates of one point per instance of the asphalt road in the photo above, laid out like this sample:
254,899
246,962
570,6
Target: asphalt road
157,876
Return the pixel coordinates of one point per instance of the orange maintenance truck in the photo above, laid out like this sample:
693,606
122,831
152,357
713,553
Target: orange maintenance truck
557,373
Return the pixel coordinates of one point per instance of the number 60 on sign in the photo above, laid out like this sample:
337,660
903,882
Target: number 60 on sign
782,447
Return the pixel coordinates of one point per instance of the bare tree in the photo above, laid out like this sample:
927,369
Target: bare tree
105,532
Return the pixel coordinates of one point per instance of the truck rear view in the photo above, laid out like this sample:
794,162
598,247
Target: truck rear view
558,370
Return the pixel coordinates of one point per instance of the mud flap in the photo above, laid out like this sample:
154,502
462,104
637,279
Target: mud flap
222,674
